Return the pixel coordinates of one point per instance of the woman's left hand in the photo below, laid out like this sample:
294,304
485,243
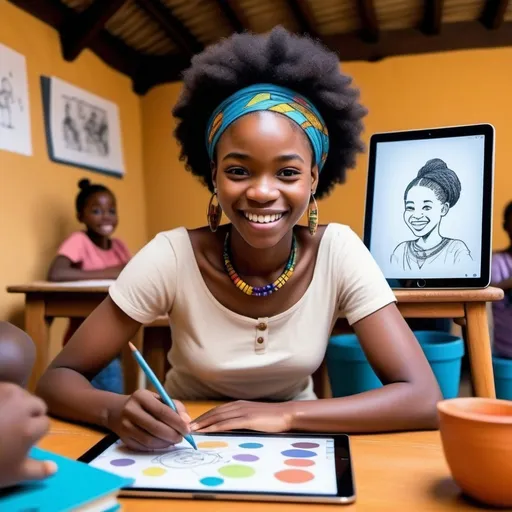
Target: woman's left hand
264,417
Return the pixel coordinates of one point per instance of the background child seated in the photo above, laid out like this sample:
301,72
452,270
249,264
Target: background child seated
23,419
93,254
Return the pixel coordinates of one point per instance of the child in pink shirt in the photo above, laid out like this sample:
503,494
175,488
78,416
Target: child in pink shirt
93,254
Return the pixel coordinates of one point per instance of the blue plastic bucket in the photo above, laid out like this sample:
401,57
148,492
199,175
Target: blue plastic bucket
502,377
350,373
347,366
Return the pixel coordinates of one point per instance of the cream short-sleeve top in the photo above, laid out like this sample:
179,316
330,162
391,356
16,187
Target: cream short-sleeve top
218,354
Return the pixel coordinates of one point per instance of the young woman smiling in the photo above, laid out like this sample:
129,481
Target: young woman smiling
268,122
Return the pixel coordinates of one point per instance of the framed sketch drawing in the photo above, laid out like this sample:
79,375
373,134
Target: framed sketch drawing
15,133
82,129
428,209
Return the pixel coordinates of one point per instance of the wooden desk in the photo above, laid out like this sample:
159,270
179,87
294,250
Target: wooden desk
45,301
393,472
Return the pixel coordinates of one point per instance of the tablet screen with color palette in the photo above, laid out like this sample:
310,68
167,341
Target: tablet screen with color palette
253,464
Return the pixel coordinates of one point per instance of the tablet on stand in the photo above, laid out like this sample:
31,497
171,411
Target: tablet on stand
428,213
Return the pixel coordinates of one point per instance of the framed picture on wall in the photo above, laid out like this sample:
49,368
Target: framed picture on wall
15,133
82,129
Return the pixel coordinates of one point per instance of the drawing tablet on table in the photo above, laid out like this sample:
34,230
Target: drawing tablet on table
429,206
233,466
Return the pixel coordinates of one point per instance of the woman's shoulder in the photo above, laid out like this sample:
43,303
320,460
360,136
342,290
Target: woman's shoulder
340,235
171,237
337,240
334,231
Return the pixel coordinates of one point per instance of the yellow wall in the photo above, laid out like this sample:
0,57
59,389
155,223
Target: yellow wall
401,93
174,196
37,195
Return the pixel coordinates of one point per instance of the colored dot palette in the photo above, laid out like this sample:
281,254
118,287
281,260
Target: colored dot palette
231,463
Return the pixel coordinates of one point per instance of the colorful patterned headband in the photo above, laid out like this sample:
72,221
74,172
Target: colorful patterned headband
275,99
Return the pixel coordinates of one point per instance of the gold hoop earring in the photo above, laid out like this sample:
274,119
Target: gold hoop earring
214,212
312,215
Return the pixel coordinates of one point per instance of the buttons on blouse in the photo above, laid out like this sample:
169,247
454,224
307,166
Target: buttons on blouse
261,336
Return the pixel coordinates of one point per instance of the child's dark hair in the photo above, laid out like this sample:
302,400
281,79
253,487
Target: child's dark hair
87,189
281,58
436,176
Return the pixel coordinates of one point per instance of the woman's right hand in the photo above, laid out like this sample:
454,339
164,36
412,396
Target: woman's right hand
145,423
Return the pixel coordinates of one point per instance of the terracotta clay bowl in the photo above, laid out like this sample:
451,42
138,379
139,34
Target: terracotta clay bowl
477,441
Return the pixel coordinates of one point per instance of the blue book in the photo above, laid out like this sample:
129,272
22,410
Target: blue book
75,486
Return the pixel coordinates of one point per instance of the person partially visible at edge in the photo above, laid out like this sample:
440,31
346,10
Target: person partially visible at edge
501,277
23,418
269,123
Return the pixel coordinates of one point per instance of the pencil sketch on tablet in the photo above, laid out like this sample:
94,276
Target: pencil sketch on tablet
428,198
186,458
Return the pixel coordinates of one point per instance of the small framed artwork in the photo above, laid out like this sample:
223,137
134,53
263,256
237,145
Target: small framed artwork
82,129
15,133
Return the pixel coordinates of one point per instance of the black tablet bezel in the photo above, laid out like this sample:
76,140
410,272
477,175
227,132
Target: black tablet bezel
437,133
342,458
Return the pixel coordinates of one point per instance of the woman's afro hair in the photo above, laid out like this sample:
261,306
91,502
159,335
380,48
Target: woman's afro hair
281,58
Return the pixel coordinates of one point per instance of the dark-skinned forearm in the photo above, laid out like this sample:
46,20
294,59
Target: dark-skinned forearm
70,395
395,407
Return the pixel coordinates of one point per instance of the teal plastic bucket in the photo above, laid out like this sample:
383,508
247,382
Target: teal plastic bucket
444,352
502,377
350,373
347,366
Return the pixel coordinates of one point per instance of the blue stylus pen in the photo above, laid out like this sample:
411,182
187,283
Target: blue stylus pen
160,389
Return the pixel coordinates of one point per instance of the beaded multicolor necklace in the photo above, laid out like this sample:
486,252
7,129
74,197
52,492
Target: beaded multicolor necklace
260,291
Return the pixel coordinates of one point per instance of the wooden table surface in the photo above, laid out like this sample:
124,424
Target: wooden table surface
489,294
393,472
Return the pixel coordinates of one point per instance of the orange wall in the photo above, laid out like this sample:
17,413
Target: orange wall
401,93
37,195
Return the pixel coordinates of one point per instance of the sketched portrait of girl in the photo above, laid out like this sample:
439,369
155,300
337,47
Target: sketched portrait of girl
427,200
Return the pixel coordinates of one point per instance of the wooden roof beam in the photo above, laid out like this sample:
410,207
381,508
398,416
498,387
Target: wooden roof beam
233,14
108,48
493,13
172,26
370,32
80,29
432,17
304,16
50,12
